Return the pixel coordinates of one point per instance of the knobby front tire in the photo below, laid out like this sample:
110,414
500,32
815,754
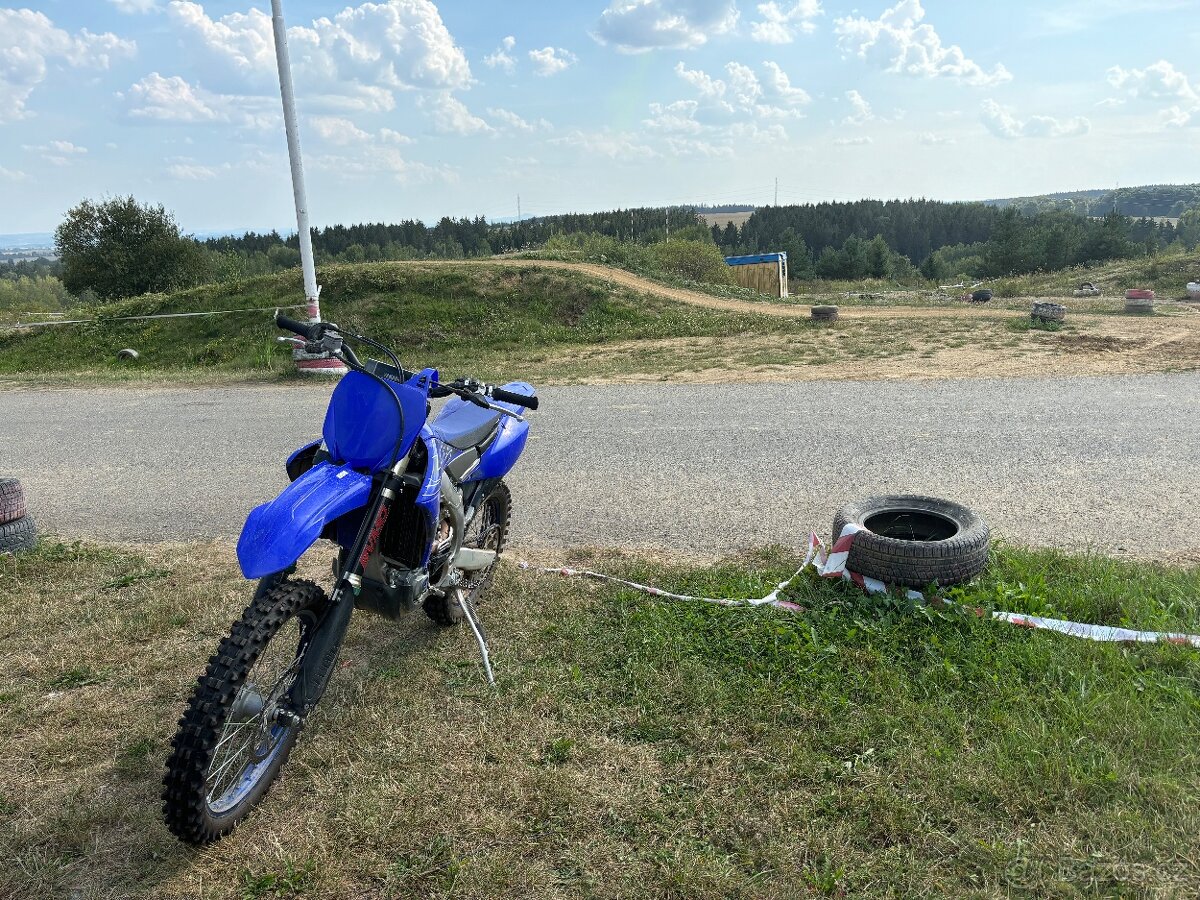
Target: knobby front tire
230,746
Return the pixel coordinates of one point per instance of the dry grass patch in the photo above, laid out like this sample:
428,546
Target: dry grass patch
633,747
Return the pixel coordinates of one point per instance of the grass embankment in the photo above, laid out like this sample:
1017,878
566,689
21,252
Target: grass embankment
634,747
496,322
547,323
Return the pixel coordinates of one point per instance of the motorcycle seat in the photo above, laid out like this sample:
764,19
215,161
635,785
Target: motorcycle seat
466,426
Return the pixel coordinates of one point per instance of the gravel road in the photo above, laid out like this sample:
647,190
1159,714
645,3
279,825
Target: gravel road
1108,463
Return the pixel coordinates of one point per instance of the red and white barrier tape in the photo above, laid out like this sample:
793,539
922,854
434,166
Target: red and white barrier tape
832,564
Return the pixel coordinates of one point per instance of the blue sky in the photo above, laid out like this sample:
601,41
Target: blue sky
412,108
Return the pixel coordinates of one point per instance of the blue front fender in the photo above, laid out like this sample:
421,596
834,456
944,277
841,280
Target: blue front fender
278,532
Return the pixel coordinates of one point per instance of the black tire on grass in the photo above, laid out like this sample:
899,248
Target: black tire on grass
825,313
915,541
12,501
18,536
186,808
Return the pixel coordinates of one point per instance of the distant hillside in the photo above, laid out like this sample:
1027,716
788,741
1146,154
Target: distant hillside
1170,200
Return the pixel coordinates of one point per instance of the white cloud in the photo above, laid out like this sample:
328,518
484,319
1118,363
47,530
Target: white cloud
371,48
66,147
852,141
1159,83
172,99
702,82
930,139
59,153
861,110
502,57
780,25
191,172
375,160
515,122
897,42
550,61
779,87
394,137
175,101
12,174
451,116
617,145
338,130
29,41
681,146
635,26
744,87
676,118
1001,122
743,92
135,6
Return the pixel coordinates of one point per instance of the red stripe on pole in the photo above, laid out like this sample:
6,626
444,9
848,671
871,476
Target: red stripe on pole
330,366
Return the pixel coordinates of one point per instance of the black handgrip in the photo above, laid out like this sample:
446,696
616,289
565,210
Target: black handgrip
517,399
312,331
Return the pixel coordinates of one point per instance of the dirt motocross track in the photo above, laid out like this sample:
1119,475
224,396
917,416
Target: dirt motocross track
955,340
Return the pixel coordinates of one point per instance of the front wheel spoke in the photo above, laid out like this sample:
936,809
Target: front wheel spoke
215,777
226,738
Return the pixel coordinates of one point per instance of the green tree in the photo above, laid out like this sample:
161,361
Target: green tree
1109,240
933,269
878,257
1189,228
120,248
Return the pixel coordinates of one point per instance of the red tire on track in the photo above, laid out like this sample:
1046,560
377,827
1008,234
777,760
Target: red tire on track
1139,294
12,501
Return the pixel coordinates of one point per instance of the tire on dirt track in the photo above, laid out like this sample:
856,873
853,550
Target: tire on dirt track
18,536
12,501
915,541
824,313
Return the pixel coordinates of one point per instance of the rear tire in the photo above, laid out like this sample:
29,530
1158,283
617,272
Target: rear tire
192,812
489,531
915,541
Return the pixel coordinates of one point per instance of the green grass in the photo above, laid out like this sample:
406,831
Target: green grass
634,747
464,319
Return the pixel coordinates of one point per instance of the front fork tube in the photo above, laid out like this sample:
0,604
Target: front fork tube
328,633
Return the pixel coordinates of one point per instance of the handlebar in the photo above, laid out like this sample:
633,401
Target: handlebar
469,389
516,399
310,330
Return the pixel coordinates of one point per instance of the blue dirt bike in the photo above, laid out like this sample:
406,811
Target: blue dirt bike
419,512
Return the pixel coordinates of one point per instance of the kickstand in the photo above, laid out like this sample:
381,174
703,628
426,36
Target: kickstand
480,637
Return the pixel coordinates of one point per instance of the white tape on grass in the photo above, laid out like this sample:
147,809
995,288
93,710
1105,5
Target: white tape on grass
832,564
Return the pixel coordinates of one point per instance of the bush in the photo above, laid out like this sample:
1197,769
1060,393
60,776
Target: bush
120,248
694,260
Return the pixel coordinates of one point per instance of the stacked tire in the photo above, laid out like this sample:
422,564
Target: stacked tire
824,313
1139,302
1048,312
17,531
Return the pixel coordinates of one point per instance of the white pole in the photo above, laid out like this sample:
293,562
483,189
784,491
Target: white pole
312,291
